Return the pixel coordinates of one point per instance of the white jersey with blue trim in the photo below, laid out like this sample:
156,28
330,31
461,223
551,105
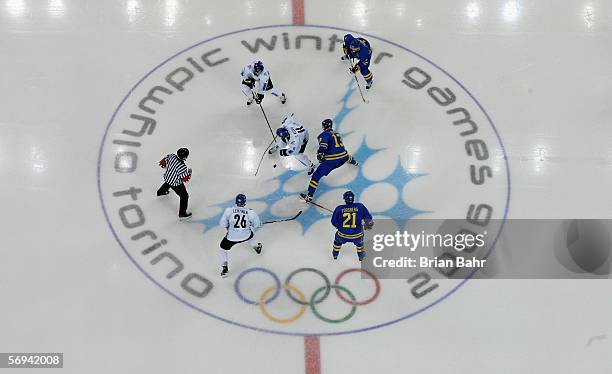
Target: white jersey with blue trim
248,72
239,222
298,135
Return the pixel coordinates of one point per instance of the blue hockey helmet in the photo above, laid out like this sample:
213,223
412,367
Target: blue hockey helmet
240,200
258,67
349,197
355,44
327,124
282,132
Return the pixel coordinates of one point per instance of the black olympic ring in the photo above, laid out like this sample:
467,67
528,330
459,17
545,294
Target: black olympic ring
313,270
270,294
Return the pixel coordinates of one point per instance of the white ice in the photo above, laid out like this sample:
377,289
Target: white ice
541,70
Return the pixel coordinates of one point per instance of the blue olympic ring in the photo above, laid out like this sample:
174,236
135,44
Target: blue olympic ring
274,295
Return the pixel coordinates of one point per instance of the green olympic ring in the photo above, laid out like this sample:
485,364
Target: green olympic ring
329,320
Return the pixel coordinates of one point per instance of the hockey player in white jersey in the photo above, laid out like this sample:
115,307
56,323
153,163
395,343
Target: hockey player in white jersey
292,141
240,223
257,72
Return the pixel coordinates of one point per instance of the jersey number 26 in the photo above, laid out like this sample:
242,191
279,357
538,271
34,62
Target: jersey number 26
240,221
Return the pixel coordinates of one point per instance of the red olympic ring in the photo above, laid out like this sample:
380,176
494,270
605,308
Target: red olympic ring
365,302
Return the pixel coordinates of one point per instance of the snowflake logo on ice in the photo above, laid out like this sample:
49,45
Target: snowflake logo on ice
400,211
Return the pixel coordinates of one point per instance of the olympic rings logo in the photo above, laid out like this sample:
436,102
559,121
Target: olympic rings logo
318,296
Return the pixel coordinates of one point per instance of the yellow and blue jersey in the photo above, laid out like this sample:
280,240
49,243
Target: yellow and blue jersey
331,145
348,219
364,54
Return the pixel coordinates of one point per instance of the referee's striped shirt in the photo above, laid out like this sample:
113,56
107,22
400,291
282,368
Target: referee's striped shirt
176,170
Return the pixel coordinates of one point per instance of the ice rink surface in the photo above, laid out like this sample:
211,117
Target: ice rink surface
82,273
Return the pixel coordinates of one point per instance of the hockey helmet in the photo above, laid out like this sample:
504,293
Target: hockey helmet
258,67
282,132
240,200
349,197
327,124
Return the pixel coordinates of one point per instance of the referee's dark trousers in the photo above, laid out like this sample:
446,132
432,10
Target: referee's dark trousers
181,191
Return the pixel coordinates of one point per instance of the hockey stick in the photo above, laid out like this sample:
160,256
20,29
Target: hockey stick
320,206
357,80
317,205
284,220
263,155
266,118
269,127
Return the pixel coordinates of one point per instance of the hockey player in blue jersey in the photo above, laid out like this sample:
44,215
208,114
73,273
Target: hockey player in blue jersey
359,49
331,155
350,219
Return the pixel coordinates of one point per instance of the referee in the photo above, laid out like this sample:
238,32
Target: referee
175,177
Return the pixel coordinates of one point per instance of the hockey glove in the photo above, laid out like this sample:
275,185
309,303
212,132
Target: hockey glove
249,82
368,224
188,177
320,156
259,98
354,69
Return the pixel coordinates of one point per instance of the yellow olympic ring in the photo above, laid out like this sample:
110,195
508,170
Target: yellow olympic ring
264,311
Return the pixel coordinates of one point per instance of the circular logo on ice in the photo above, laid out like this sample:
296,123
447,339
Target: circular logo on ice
426,149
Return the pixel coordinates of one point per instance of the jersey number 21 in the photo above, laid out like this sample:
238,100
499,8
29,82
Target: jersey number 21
350,220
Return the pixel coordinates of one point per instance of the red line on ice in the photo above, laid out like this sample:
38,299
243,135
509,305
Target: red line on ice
312,355
312,348
298,12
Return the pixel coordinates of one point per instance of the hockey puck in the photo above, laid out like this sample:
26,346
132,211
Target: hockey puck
274,165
